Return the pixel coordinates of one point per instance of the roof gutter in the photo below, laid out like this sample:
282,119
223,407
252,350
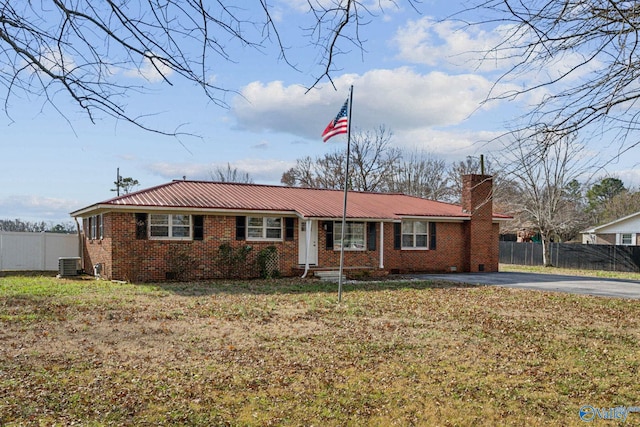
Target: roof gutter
104,208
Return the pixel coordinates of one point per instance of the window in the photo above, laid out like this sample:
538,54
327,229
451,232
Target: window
142,226
264,228
626,239
166,226
354,236
415,234
96,227
93,223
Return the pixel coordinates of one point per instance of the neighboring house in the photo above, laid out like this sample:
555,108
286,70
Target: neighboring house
200,230
623,231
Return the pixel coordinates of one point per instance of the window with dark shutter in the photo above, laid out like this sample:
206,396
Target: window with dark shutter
90,234
141,226
371,236
198,227
397,235
432,235
289,228
240,227
328,226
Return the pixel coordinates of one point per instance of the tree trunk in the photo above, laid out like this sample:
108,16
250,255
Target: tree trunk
546,249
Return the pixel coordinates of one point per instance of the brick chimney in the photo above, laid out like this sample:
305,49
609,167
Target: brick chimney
477,200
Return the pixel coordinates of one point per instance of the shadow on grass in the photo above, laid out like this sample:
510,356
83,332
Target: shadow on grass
299,286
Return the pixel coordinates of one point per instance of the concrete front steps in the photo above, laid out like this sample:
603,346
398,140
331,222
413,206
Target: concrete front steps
329,275
348,273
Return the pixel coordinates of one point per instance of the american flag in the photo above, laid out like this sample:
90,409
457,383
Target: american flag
339,124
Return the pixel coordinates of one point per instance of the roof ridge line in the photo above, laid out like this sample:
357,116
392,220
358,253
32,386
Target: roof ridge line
292,187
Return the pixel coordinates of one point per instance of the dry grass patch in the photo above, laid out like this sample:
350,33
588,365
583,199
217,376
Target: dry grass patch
285,353
570,271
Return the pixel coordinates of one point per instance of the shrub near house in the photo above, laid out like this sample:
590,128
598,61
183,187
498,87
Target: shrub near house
187,230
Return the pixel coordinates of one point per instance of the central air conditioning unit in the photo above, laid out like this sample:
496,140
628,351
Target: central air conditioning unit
68,266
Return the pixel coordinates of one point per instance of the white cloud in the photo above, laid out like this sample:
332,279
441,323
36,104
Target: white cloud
297,5
37,208
264,170
450,145
151,70
420,109
490,52
192,171
630,177
56,61
259,170
274,107
454,44
400,99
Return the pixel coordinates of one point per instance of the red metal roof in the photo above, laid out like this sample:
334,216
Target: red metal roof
307,202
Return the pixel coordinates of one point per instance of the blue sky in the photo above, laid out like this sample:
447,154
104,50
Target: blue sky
416,77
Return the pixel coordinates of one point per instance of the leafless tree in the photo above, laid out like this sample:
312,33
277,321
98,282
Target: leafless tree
543,170
322,172
421,174
505,193
61,49
580,58
22,226
37,227
230,174
625,203
372,159
330,170
301,175
470,165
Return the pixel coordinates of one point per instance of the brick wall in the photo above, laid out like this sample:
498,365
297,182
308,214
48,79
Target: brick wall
99,251
449,253
126,258
605,239
359,258
460,246
482,234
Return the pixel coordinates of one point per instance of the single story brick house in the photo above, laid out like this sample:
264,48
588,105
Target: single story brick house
201,230
622,231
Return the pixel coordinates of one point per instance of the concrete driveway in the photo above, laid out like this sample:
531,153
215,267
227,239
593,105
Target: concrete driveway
618,288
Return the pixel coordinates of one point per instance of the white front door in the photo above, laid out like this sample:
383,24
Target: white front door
313,242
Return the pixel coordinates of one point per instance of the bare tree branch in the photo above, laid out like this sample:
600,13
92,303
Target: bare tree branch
543,169
580,57
81,49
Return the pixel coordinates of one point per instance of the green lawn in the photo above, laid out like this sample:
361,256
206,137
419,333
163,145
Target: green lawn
286,353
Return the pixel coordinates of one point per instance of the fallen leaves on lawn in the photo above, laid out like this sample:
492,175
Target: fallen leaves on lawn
269,353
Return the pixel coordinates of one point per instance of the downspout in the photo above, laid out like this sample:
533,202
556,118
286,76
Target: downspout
80,242
306,249
381,245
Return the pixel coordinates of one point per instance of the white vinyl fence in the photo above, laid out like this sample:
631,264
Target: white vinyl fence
35,251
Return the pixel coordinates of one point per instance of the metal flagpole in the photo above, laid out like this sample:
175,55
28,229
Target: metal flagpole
346,188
